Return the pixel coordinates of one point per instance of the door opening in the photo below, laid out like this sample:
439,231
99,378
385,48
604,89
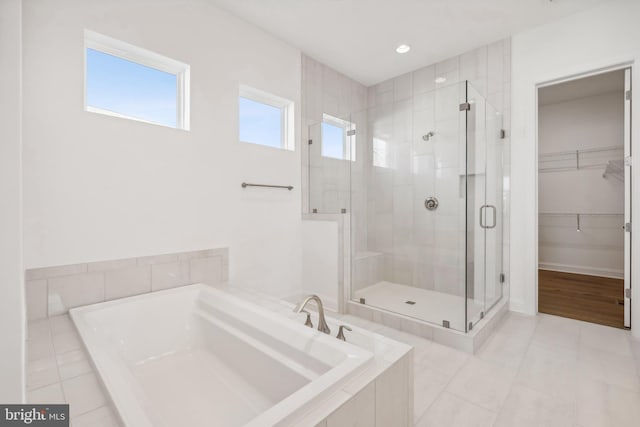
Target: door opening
584,198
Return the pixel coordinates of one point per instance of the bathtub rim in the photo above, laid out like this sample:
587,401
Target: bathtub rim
278,414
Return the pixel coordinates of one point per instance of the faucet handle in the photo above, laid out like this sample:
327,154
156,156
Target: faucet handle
340,335
308,321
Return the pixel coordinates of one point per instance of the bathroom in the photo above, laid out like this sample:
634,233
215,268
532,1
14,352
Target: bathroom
399,185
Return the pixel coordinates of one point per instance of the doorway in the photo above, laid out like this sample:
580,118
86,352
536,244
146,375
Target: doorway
584,198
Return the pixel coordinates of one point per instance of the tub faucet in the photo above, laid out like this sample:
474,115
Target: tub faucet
322,323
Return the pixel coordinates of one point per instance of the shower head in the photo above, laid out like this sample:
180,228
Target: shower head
428,136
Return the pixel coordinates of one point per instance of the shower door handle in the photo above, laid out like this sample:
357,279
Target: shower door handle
482,216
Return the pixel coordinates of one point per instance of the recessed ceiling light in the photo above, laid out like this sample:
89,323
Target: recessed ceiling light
441,80
403,48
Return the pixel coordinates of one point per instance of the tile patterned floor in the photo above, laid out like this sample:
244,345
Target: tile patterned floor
533,371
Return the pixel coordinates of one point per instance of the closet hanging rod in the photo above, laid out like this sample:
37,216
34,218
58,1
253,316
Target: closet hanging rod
578,216
580,151
581,214
246,184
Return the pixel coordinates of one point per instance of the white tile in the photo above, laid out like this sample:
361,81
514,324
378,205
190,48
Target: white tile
452,411
608,366
115,264
473,64
443,358
359,411
62,270
424,79
605,338
599,404
36,295
483,383
61,324
402,87
513,324
206,270
548,370
39,348
449,70
557,332
429,384
104,416
525,407
38,329
66,341
73,363
42,372
84,394
158,259
73,291
127,282
495,64
169,275
394,405
49,394
501,348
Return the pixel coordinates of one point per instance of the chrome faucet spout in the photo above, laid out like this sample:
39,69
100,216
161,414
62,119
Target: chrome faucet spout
322,323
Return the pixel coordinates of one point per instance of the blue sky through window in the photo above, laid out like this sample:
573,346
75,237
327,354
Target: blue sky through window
260,123
332,141
130,89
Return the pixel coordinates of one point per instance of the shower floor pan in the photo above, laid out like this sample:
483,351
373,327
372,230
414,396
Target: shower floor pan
422,312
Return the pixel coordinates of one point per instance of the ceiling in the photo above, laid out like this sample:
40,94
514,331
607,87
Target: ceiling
359,37
589,86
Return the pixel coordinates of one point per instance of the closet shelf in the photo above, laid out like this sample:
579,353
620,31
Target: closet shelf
578,217
590,158
614,169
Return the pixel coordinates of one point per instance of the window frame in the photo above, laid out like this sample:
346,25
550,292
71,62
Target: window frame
138,55
287,118
348,145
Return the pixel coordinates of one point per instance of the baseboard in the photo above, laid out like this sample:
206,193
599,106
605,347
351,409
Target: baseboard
601,272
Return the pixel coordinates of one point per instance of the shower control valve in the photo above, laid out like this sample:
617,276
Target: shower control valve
431,203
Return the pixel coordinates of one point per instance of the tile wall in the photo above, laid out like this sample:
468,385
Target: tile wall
419,248
329,181
52,291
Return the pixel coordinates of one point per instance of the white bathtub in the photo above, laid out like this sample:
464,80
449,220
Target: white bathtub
199,356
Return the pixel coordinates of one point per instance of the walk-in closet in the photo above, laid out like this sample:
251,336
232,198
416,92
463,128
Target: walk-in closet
584,198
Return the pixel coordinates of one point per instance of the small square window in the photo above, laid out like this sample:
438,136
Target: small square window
338,138
126,81
265,119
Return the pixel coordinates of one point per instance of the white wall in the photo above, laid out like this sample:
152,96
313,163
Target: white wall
600,37
99,187
584,123
320,261
12,311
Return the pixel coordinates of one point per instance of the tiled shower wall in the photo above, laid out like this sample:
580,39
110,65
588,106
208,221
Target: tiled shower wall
334,184
418,249
325,91
52,291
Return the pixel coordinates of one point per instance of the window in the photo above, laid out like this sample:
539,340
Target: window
126,81
265,119
338,138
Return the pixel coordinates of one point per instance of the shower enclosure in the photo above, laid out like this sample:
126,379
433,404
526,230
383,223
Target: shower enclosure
422,180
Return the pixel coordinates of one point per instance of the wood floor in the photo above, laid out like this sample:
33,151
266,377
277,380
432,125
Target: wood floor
577,296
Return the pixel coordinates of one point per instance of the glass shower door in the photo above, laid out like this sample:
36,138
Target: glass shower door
484,206
494,199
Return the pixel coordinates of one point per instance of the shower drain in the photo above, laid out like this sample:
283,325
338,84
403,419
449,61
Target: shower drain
410,302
